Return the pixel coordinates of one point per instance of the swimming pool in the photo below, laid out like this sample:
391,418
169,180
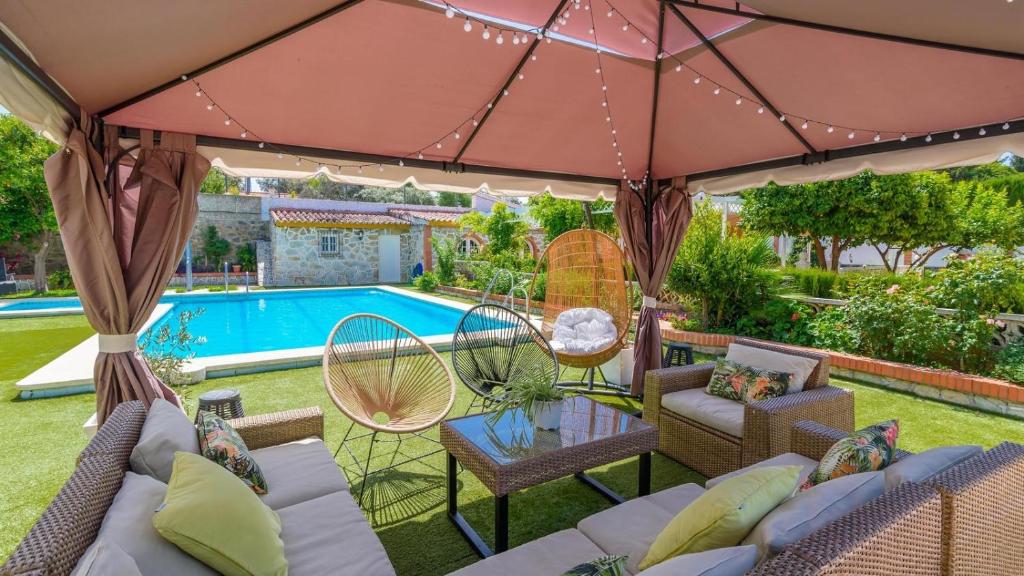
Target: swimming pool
238,323
39,304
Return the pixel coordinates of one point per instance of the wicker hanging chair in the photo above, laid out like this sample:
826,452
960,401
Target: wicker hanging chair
586,269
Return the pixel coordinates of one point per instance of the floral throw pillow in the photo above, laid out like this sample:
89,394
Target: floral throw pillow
746,384
219,442
865,450
603,566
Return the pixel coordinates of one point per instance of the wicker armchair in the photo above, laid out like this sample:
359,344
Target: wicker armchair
766,424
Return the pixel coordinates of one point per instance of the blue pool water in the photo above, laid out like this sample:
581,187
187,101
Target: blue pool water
41,304
271,320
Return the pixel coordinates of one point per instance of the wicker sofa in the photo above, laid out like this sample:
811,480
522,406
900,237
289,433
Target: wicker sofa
966,519
761,429
323,530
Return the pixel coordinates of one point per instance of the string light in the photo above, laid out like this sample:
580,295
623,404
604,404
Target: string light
956,135
449,12
468,26
486,34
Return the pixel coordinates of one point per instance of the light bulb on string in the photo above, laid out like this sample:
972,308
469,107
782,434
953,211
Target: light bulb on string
261,145
903,137
199,93
928,138
521,76
457,135
209,107
760,110
739,101
696,80
401,163
476,122
610,13
851,135
1006,126
468,26
533,57
956,135
625,27
244,134
515,39
878,137
438,145
643,39
500,40
679,67
227,121
982,132
830,129
487,33
782,117
419,156
804,125
718,90
449,12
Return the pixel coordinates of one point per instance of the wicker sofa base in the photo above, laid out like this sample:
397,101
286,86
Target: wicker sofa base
707,451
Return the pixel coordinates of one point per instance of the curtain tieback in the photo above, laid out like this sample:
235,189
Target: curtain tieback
650,302
115,343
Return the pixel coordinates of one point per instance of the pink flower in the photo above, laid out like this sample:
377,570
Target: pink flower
893,289
795,317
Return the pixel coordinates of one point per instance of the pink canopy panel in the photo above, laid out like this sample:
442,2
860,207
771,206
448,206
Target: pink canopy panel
570,91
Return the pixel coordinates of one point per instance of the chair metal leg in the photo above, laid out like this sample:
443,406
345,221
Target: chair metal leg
366,468
344,439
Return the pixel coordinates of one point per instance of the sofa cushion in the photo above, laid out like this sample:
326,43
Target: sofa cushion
298,471
129,523
167,430
219,442
724,515
786,459
630,528
603,566
799,366
697,405
105,558
217,519
813,509
922,466
550,555
330,535
734,561
865,450
746,384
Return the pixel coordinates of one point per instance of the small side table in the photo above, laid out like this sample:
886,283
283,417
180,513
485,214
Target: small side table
676,354
224,403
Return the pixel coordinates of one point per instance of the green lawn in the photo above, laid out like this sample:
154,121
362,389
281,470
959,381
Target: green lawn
40,438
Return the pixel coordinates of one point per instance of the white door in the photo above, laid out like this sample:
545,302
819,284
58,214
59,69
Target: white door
390,268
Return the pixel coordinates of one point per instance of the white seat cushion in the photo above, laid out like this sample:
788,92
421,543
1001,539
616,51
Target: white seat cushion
733,561
551,555
923,465
787,459
712,411
298,471
583,330
330,535
166,430
630,528
799,366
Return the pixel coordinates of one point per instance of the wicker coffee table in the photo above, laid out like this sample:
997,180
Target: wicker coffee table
511,454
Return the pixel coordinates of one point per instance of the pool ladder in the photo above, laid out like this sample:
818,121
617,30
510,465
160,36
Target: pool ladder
508,300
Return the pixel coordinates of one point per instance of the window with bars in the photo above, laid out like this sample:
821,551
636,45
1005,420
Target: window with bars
328,244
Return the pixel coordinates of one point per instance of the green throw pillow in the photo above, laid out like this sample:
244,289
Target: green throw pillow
603,566
217,520
725,514
219,442
746,384
865,450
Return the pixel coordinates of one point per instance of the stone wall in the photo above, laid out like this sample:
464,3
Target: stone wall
296,258
238,220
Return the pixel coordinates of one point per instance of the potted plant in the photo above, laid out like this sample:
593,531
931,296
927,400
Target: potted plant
537,396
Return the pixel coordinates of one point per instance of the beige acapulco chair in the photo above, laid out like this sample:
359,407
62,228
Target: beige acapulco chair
386,379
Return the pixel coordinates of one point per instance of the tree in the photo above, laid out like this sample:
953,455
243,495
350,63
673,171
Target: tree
506,233
26,213
320,187
559,215
1012,186
217,182
215,248
831,213
454,199
980,171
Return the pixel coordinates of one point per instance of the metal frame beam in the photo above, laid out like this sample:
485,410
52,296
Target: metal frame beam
345,155
10,50
742,78
991,130
316,18
696,5
508,82
657,85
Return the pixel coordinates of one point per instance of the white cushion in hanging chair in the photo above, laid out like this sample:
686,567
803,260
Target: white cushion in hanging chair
583,331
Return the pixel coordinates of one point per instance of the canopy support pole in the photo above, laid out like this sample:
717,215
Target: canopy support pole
649,190
339,7
696,5
508,82
742,78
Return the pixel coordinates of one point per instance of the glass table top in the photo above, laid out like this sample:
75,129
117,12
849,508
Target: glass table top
513,437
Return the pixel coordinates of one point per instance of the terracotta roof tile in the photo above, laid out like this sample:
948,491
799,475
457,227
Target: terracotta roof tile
429,215
315,218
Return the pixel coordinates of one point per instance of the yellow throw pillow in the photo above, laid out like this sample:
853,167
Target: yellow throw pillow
725,514
215,518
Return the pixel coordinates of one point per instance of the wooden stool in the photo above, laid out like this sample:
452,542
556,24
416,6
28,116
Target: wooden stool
224,403
676,354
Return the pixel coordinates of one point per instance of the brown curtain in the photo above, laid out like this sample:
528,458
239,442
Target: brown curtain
670,215
124,223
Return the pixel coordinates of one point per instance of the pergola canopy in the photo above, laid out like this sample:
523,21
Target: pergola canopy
359,89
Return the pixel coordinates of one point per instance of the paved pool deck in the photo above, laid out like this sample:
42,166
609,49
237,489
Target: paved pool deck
72,372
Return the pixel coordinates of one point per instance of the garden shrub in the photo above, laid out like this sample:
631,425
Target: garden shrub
446,253
539,286
246,256
60,280
426,282
874,281
1010,361
215,248
813,282
779,319
988,283
728,275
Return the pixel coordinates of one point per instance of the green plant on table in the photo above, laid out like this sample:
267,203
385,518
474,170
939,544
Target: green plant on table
535,386
167,350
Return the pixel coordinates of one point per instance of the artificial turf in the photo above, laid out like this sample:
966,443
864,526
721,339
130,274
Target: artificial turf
40,438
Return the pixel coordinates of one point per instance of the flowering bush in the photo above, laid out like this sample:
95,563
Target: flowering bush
1010,362
681,321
